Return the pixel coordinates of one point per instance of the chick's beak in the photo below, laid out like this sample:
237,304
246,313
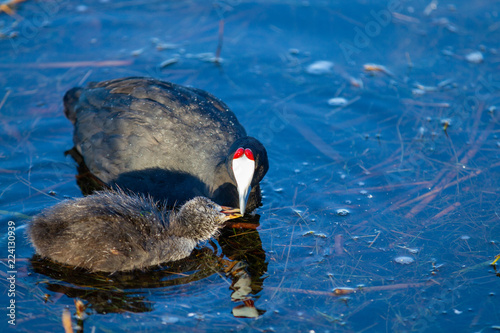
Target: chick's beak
231,213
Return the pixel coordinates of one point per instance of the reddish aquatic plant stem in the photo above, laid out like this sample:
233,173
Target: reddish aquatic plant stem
452,174
445,182
242,225
339,245
445,211
71,64
429,196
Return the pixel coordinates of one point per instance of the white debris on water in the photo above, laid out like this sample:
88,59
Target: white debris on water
165,46
169,62
337,101
342,212
404,260
475,57
137,52
320,67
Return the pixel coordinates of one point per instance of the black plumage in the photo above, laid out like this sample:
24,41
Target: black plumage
163,139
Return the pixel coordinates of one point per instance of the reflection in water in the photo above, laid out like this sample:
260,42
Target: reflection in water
245,265
494,264
118,292
247,268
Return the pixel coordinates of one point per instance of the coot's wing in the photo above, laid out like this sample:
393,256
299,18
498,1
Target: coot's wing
127,126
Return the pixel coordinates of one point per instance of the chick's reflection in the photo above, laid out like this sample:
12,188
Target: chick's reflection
242,259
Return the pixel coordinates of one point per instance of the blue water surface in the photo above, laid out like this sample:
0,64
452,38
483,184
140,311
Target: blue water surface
380,118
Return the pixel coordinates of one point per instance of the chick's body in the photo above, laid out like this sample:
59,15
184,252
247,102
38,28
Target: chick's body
114,231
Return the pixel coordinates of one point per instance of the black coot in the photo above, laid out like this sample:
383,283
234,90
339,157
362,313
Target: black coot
166,140
114,231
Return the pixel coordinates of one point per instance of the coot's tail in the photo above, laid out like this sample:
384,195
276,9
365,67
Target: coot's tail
70,99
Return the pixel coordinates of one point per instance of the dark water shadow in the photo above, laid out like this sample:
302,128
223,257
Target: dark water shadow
158,183
154,182
118,292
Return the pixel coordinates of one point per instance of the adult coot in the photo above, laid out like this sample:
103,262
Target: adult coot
114,231
166,140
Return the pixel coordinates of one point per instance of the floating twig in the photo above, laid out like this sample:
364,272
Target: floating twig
420,103
7,8
289,248
340,291
66,321
377,68
242,225
80,309
219,44
72,64
4,98
373,241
